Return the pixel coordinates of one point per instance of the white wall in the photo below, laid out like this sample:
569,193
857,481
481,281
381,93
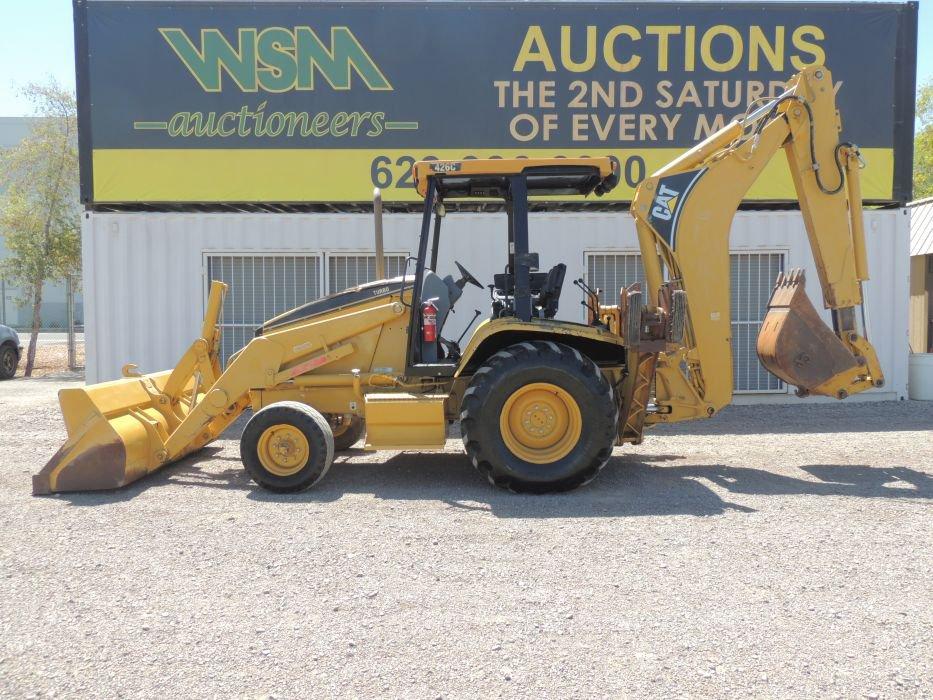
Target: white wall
144,283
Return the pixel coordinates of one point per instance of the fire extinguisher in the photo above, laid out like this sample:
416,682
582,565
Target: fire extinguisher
429,322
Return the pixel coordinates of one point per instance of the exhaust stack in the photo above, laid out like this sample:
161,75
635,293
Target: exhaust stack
380,251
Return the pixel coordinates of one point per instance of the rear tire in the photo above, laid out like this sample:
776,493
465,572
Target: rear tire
539,417
348,432
287,447
9,358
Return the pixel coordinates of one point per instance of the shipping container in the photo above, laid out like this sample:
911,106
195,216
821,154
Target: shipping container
147,274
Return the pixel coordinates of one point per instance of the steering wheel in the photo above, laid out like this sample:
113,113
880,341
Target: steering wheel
465,277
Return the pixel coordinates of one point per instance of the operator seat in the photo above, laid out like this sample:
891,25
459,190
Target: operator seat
444,292
548,299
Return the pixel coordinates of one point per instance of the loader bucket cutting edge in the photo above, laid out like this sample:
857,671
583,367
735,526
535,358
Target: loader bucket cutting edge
795,345
115,436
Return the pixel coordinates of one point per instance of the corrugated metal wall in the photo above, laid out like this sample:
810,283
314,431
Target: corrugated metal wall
260,287
146,274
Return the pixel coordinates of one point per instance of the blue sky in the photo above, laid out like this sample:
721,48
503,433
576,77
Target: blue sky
36,41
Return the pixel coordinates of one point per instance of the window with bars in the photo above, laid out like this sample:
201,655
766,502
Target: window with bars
611,272
260,287
345,271
752,277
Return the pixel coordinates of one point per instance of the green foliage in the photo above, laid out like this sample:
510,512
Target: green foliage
923,143
39,212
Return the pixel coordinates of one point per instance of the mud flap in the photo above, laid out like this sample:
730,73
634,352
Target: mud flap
795,345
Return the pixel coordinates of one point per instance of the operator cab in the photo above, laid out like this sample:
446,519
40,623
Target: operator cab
522,290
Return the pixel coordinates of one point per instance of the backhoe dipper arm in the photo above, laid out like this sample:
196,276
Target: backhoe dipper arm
684,215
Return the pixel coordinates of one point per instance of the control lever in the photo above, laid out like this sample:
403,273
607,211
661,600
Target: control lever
592,297
476,313
587,289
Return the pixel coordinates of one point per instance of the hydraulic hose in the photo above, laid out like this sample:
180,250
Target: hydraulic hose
813,161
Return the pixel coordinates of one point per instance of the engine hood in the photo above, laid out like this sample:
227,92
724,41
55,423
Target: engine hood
348,297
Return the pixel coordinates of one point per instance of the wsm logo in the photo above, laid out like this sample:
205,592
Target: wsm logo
276,59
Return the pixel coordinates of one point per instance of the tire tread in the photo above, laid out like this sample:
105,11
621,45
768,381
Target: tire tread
251,460
503,363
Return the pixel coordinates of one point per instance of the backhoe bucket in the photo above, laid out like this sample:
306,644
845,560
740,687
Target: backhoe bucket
796,346
117,431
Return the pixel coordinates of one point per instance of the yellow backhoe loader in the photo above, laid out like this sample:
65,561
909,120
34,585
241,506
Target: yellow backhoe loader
540,402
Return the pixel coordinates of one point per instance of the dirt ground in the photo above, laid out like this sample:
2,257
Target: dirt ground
51,359
769,552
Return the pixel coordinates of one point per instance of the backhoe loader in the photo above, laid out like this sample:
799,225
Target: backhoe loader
540,401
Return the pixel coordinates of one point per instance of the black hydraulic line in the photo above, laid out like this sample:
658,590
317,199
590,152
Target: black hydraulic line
813,161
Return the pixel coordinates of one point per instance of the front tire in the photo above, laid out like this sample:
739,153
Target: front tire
539,417
287,447
9,358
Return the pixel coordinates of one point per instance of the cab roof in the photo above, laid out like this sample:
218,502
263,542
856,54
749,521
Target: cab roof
489,177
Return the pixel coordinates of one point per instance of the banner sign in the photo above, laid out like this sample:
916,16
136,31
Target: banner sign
320,102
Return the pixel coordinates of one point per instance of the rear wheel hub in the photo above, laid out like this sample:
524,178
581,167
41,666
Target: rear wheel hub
540,423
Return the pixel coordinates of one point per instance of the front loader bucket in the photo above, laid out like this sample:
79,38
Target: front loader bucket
116,432
796,346
120,431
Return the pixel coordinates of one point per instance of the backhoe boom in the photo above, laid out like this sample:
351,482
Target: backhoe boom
684,215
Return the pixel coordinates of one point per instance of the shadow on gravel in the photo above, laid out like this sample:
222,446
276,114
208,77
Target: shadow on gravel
810,418
628,486
857,481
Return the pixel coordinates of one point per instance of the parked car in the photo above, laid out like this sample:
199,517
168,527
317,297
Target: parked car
10,352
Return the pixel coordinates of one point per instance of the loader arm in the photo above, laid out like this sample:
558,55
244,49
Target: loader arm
683,217
122,430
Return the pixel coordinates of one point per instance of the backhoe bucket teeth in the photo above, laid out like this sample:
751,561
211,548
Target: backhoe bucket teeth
116,433
795,345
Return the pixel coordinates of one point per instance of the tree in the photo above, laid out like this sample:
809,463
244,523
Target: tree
39,214
923,143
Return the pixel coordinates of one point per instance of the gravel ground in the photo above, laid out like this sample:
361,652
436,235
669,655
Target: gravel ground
770,552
